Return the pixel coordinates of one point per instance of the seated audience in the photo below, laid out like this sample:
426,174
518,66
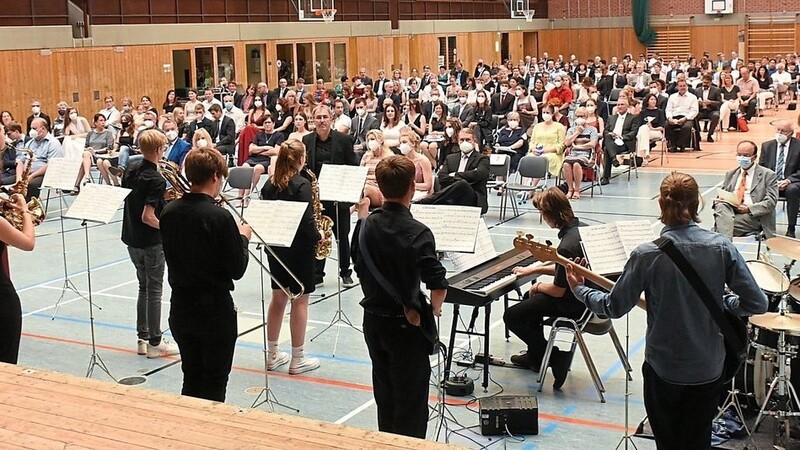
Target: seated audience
266,145
730,103
709,98
376,151
682,109
782,156
463,176
512,140
44,147
748,92
652,120
99,141
619,137
177,148
547,139
581,143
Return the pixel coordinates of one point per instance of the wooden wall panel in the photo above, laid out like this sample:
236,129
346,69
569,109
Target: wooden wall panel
587,42
480,45
713,39
402,55
424,49
516,45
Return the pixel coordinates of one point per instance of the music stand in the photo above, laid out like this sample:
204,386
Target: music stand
340,183
95,203
60,176
627,438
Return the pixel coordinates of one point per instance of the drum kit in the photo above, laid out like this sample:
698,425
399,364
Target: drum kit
774,342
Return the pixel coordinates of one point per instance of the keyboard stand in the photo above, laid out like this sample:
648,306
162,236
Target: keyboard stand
469,332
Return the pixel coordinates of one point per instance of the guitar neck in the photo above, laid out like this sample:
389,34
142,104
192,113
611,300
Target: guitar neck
595,278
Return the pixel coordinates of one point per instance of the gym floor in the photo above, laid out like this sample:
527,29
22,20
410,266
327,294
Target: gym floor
56,336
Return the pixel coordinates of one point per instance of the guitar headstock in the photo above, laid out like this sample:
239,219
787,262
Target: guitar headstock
542,252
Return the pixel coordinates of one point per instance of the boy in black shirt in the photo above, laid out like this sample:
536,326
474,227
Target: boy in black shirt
140,233
399,342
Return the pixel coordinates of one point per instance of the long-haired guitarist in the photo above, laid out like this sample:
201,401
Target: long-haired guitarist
548,299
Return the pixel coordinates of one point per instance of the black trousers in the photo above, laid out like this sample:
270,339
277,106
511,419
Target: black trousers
525,320
792,196
459,193
400,374
610,151
342,233
34,187
680,415
679,136
206,342
713,118
10,327
750,108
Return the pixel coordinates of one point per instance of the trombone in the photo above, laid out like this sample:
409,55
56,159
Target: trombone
257,258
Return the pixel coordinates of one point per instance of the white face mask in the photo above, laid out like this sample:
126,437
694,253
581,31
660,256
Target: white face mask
512,124
580,121
33,134
503,89
361,111
149,124
73,116
258,104
591,109
481,100
373,145
594,96
466,147
654,91
202,143
462,100
547,117
781,138
449,131
36,109
478,86
434,98
404,148
557,84
172,135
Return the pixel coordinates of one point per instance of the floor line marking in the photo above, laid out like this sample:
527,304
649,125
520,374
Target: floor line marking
74,274
66,302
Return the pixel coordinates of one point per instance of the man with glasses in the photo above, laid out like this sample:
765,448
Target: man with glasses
111,113
327,146
44,147
782,156
36,112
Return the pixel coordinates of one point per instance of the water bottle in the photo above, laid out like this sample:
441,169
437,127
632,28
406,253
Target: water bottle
539,149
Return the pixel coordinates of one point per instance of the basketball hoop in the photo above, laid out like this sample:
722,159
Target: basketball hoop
528,13
328,15
717,13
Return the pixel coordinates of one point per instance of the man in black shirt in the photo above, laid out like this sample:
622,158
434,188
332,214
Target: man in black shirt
206,250
548,299
403,251
327,146
140,226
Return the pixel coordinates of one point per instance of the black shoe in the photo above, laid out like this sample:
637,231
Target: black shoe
318,281
559,364
524,360
347,281
615,162
709,138
790,232
603,181
117,171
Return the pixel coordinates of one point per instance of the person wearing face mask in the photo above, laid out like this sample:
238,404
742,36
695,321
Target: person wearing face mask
526,106
782,155
463,111
562,91
470,168
234,113
36,112
511,141
756,190
432,90
44,147
483,119
58,124
129,155
262,150
581,143
502,102
123,142
450,143
75,125
376,152
176,148
547,139
362,123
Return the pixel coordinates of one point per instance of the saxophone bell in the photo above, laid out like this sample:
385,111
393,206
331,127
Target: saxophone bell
324,223
7,207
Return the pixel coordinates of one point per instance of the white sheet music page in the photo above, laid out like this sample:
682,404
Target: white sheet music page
97,202
454,227
633,233
342,183
61,173
276,221
601,244
484,251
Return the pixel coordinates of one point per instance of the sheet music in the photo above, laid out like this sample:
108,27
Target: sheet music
728,197
601,244
97,203
484,251
633,233
276,221
61,173
342,183
454,227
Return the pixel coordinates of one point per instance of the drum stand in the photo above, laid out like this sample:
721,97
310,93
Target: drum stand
733,400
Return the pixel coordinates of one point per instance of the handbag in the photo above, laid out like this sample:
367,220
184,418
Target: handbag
741,124
734,330
421,305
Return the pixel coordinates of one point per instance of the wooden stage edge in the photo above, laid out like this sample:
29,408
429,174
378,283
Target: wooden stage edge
47,410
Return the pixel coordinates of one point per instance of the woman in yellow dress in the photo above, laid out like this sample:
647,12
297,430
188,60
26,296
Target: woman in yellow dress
547,139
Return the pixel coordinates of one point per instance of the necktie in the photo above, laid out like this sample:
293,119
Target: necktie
360,126
781,162
219,129
462,167
742,186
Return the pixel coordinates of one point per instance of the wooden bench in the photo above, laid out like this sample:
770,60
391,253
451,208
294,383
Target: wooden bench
44,410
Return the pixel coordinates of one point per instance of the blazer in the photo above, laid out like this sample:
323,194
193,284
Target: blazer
769,154
370,123
227,135
178,151
714,94
763,191
378,86
504,107
632,77
476,174
464,113
207,124
629,130
42,116
341,147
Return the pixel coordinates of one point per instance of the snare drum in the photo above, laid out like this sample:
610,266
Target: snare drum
769,278
794,291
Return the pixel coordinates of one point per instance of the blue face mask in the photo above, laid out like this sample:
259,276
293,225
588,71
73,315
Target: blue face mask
744,161
228,106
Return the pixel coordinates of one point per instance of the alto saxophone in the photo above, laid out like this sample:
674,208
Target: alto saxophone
324,223
35,207
179,185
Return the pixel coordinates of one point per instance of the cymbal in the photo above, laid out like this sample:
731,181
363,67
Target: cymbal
790,323
787,247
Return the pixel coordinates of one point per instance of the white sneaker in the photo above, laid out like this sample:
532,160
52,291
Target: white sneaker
165,348
304,364
141,347
277,359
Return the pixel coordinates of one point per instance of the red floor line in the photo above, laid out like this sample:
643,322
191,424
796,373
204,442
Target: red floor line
335,383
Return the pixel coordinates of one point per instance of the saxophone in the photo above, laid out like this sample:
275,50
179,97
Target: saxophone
324,223
35,207
178,184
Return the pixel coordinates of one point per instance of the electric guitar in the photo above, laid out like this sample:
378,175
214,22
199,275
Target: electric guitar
545,252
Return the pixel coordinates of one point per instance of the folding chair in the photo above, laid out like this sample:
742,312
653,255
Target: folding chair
240,178
529,167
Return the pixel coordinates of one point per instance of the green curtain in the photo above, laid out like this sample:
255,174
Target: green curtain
641,22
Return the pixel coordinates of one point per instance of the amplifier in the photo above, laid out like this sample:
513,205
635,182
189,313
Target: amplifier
513,414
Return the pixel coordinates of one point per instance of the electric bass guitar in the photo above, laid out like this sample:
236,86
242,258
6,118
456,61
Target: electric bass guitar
545,252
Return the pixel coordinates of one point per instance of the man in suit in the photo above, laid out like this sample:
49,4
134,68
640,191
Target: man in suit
232,90
36,113
463,111
327,146
672,77
502,101
757,190
782,155
282,89
379,87
618,137
201,121
361,124
468,168
460,74
224,133
640,80
176,148
362,73
709,100
681,112
389,89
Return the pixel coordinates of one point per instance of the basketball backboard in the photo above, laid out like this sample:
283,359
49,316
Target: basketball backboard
518,8
311,10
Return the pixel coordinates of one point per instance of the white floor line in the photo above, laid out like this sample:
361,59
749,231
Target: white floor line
355,412
66,302
127,297
711,189
82,272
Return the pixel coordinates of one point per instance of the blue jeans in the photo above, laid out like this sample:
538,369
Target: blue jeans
149,263
125,156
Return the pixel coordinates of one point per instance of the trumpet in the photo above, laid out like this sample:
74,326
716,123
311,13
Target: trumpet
224,201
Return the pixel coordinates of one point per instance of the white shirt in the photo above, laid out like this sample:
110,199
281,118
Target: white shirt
682,105
748,200
112,116
782,78
237,115
343,123
619,124
462,166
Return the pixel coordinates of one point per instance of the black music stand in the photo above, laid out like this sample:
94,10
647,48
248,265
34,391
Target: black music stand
68,284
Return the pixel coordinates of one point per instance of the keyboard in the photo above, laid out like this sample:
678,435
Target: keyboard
489,281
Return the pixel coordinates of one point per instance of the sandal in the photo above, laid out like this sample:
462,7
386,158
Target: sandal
576,196
570,194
